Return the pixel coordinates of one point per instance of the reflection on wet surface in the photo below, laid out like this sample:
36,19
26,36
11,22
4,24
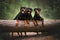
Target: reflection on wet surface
31,36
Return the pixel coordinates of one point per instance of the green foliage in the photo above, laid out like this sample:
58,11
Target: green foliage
49,8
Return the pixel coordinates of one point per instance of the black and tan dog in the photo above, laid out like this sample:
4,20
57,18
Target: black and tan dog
20,16
28,14
37,16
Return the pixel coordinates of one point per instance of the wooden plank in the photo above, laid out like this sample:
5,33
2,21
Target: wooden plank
10,25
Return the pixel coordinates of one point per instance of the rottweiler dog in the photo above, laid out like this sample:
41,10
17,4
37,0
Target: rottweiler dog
28,13
37,17
28,16
20,16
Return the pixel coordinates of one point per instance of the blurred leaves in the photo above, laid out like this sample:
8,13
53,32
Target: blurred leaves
49,8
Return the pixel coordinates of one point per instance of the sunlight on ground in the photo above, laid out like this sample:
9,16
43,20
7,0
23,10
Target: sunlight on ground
27,33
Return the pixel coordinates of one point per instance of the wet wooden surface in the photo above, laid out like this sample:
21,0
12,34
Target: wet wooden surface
51,27
10,25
